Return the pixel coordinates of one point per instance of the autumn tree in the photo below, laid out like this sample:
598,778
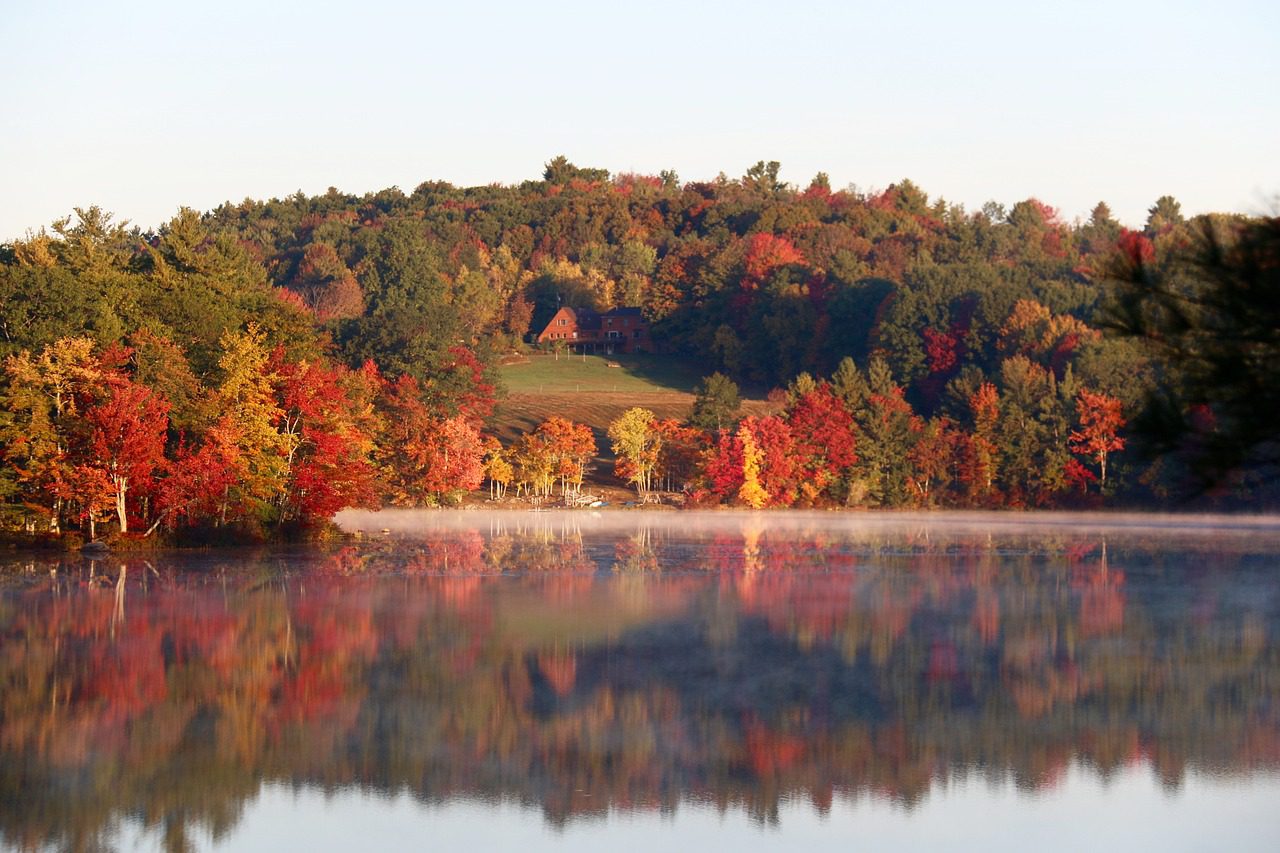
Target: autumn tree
722,466
568,446
679,455
774,459
497,467
637,444
764,254
329,466
750,492
980,461
194,482
1100,422
42,400
933,460
429,458
126,428
326,285
534,467
249,423
824,438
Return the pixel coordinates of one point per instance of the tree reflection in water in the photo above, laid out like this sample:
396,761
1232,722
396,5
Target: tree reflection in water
585,671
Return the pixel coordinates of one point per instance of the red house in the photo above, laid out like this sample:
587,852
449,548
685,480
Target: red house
619,330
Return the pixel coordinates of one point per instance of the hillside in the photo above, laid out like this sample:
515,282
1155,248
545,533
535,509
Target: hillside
587,389
278,360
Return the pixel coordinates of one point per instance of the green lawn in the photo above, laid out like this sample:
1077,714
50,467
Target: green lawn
637,373
590,392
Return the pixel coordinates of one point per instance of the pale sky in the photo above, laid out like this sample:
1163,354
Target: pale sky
144,107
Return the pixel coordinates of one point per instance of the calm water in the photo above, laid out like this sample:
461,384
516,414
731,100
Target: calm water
638,682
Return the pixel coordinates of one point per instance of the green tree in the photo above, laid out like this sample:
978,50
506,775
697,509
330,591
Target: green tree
1210,316
887,430
1164,214
560,171
716,403
763,178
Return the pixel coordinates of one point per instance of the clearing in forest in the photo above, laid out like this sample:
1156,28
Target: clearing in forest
586,389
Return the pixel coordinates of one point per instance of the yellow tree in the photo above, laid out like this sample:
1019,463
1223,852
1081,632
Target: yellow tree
637,442
40,412
497,467
534,470
751,492
251,415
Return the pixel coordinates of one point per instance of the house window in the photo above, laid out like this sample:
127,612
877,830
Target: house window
610,322
637,334
575,335
563,321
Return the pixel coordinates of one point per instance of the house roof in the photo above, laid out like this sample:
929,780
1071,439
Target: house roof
594,319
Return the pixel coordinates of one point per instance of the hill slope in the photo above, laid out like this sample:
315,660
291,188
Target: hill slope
586,389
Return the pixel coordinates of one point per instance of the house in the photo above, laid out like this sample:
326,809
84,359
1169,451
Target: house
619,330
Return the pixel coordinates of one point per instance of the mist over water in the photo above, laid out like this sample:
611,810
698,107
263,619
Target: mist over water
630,679
410,521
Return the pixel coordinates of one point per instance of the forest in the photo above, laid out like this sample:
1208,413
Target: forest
257,367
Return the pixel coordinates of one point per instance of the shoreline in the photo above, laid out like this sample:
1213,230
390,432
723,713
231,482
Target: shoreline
353,526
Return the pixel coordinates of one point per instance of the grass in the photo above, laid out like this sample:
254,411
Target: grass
588,391
638,373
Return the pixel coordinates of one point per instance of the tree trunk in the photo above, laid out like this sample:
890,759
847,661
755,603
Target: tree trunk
122,486
154,525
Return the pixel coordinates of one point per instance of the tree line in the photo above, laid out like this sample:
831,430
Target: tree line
1006,325
128,434
849,440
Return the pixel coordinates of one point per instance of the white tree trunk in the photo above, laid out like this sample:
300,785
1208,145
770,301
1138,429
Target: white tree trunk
122,487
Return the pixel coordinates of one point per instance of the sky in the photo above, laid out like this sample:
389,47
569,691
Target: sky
141,108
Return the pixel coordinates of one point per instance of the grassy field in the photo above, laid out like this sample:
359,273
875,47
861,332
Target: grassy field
590,391
643,373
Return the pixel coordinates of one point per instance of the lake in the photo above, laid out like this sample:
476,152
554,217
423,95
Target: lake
632,681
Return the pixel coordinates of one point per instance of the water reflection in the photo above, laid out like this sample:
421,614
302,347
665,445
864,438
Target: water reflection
585,668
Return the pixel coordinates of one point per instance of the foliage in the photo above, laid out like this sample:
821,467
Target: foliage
715,404
1100,424
751,492
1210,314
637,442
910,306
